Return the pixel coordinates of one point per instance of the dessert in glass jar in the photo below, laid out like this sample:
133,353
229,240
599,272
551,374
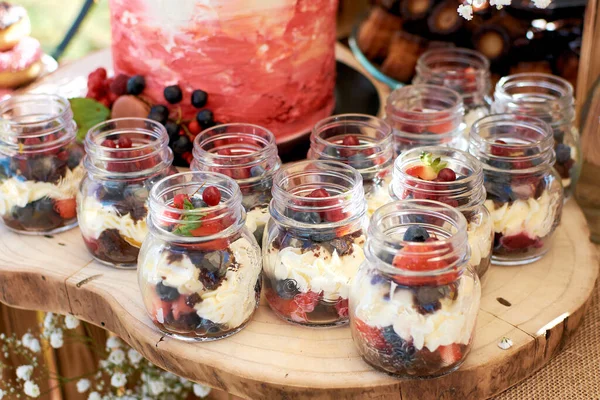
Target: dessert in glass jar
415,299
455,178
363,142
425,115
40,164
463,70
248,154
313,242
199,268
524,192
549,98
125,158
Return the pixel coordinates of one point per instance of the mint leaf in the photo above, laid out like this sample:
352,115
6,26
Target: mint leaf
87,113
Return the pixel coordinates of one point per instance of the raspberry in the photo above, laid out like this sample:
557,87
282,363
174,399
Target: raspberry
119,85
124,142
342,307
307,301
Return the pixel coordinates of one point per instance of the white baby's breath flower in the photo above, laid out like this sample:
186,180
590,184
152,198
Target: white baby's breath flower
117,357
157,386
500,3
83,385
56,339
71,322
118,380
134,357
2,393
30,342
31,389
49,321
505,343
113,342
24,372
465,11
542,3
201,390
94,396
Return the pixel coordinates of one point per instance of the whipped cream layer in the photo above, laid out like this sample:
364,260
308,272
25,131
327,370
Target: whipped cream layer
19,193
316,269
534,217
257,218
480,233
378,196
232,303
95,217
452,323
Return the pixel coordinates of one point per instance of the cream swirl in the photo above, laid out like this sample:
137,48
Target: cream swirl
452,323
95,217
480,233
534,217
377,196
257,218
19,193
318,269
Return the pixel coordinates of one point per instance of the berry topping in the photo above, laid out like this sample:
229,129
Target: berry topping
416,233
172,130
205,119
159,113
318,193
429,168
67,208
124,142
371,335
173,94
181,145
563,153
403,352
108,143
446,175
351,141
211,196
180,199
199,98
166,293
136,85
119,85
450,354
194,127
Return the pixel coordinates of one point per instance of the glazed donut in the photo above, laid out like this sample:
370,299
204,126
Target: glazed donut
21,64
14,25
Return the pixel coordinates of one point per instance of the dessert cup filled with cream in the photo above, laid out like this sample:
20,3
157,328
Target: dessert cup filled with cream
313,242
125,158
549,98
425,115
199,268
524,192
415,299
248,154
40,164
464,70
363,142
455,178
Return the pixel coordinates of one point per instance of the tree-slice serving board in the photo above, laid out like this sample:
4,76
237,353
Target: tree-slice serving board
537,306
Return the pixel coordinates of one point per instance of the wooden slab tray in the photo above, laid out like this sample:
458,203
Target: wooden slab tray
537,306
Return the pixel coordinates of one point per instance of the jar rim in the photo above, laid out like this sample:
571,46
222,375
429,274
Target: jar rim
426,91
14,100
454,53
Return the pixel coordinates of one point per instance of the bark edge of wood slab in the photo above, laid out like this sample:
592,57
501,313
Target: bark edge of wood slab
538,306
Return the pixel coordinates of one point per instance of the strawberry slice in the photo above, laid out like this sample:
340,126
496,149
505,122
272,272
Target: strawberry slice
67,209
180,307
334,215
422,172
285,307
370,334
416,257
520,241
180,199
450,354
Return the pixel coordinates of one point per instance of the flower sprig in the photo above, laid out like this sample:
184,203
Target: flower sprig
466,9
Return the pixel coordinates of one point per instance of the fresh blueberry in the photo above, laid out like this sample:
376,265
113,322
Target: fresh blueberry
307,217
416,233
377,279
287,288
559,135
257,171
209,327
205,119
427,299
199,98
563,153
321,237
173,94
136,85
167,293
402,351
181,145
159,113
198,203
172,131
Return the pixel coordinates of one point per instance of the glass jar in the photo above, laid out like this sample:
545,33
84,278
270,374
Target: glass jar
466,193
248,154
549,98
313,242
524,193
363,142
199,268
425,115
40,164
463,70
125,158
414,301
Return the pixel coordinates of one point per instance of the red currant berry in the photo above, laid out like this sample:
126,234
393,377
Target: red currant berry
211,196
119,85
194,127
446,175
318,193
124,142
351,141
108,143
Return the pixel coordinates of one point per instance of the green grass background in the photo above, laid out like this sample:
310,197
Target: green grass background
50,20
